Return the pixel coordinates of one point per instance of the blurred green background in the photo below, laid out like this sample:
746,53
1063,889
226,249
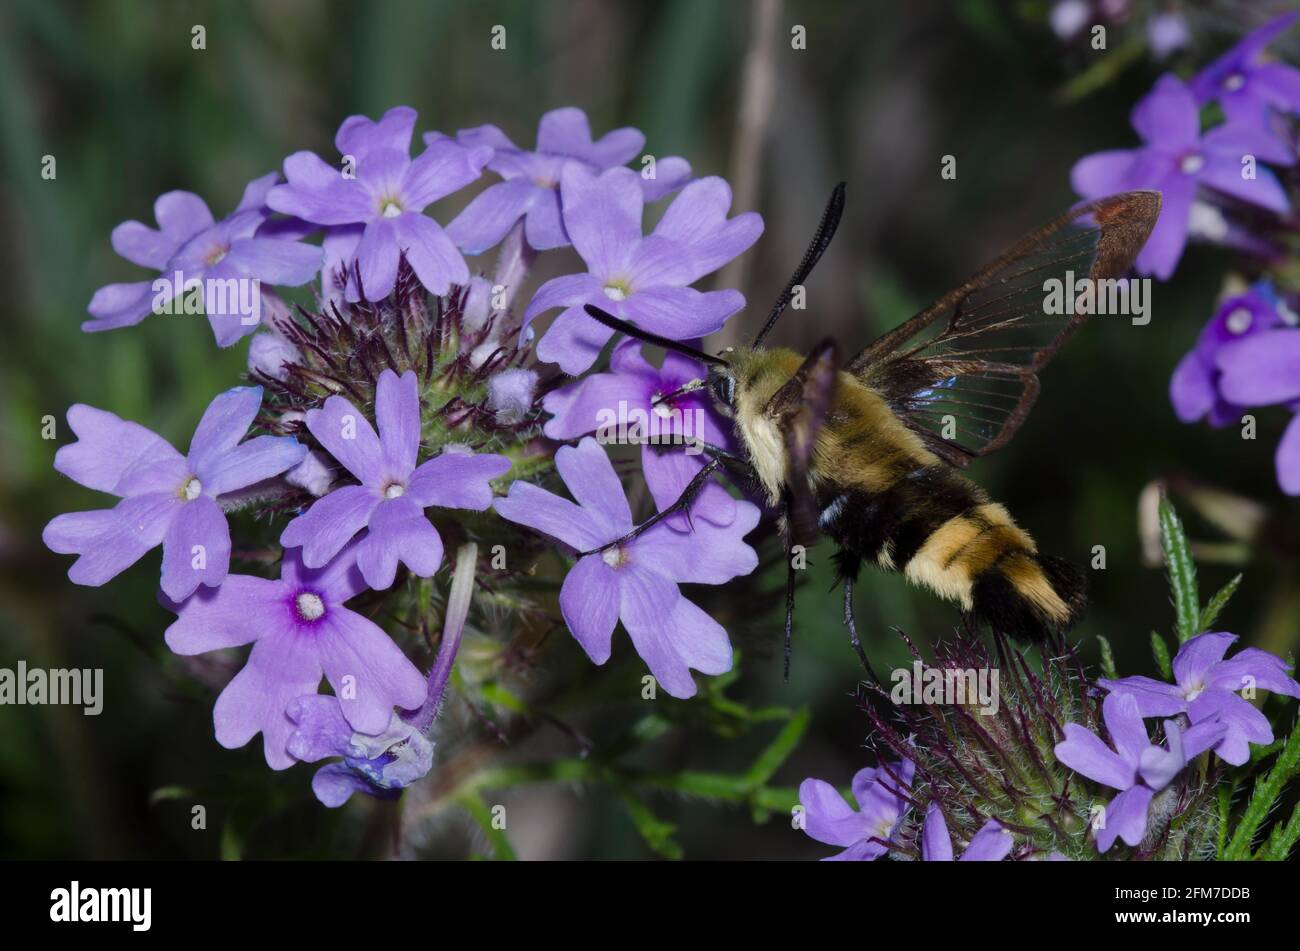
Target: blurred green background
114,91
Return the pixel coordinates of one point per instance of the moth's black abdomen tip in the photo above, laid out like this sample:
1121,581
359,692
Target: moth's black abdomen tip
1011,598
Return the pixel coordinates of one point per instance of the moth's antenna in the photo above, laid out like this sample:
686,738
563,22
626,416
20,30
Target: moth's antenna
820,242
632,330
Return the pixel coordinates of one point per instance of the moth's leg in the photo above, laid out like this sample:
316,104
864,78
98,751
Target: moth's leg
849,566
789,609
683,502
708,449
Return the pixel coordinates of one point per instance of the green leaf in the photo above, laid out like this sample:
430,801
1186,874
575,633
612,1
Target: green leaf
1182,572
1282,839
1160,651
1107,659
474,804
1225,807
1262,798
657,833
770,760
1218,603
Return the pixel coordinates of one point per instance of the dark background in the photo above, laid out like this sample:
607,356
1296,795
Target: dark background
114,91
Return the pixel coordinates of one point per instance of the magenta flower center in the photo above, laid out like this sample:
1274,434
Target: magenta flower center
309,606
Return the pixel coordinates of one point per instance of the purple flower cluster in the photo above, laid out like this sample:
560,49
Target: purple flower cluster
1247,355
1197,171
365,458
1209,704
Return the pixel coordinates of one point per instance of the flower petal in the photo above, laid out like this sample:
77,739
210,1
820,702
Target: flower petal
489,217
1261,369
318,192
936,844
1198,655
279,669
225,422
602,215
111,540
1083,752
397,413
359,135
342,429
398,531
111,453
827,816
590,478
119,305
330,523
589,601
457,480
369,673
196,550
545,512
992,843
261,457
232,615
444,167
433,255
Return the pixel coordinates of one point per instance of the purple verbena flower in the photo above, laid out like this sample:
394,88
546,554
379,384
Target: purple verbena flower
1245,83
1261,371
394,492
640,279
387,194
379,766
866,832
531,180
1136,767
992,843
299,629
167,498
1206,689
1175,159
209,257
635,582
628,391
1195,389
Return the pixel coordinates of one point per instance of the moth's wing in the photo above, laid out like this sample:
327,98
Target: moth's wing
963,372
799,409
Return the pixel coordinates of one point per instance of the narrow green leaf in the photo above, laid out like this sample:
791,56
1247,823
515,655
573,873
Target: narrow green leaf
474,804
658,834
1107,659
1218,603
1225,808
1282,839
1262,798
1160,651
1182,572
770,760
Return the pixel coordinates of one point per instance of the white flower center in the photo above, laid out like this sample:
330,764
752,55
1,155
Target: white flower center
215,255
1193,692
192,489
1239,321
615,557
394,491
390,208
616,292
310,606
1191,164
1234,82
661,407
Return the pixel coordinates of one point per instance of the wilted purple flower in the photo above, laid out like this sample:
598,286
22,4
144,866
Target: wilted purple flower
635,582
992,843
1175,159
640,279
629,390
531,186
388,194
220,259
511,394
1206,689
1244,83
299,628
864,833
167,498
1135,766
379,766
393,494
1195,387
